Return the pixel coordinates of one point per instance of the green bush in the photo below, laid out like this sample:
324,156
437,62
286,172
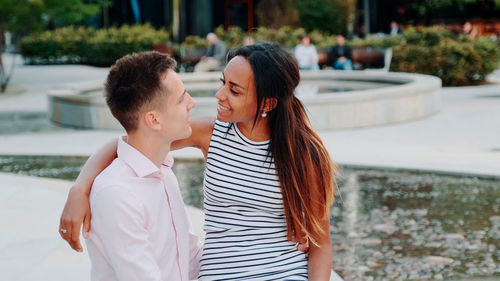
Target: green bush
233,37
54,45
86,45
457,60
286,36
194,42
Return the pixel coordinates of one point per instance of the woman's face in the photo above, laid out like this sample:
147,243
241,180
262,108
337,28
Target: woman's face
306,41
237,96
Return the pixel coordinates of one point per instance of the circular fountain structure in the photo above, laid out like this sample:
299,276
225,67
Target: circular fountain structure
333,99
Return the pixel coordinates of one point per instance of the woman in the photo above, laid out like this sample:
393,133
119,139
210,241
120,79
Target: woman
306,54
268,178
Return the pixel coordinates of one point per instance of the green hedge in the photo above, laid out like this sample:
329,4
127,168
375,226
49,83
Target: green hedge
89,46
456,59
286,36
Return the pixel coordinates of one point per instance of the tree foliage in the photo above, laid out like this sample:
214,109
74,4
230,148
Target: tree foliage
321,14
23,16
277,13
30,15
424,7
333,16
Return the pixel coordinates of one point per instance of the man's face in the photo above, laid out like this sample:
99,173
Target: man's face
174,109
340,40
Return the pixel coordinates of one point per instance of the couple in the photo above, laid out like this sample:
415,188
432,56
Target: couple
268,178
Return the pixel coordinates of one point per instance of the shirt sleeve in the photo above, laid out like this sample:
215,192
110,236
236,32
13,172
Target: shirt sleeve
119,222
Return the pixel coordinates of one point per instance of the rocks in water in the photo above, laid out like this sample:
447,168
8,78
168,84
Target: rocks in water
439,261
369,242
430,235
373,264
386,228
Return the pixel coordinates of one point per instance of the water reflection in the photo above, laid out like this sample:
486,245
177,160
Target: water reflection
22,122
391,225
417,226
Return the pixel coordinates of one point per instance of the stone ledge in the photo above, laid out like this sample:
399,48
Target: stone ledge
413,96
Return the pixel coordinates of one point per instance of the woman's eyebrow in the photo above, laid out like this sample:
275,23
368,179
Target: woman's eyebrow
234,84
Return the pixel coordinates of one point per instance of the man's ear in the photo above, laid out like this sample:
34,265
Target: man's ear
270,104
151,119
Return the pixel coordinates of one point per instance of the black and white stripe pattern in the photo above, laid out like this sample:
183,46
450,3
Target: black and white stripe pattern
245,225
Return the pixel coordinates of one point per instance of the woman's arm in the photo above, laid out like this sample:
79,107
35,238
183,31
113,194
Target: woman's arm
202,129
77,208
321,258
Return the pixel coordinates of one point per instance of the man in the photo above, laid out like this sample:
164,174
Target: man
140,229
341,55
395,29
215,55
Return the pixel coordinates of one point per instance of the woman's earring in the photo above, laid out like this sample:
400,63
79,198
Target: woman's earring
264,114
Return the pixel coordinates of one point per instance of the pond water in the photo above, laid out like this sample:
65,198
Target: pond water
22,122
385,224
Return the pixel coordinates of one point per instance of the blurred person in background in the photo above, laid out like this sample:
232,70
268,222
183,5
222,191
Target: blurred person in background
306,54
395,29
341,54
215,55
470,30
248,40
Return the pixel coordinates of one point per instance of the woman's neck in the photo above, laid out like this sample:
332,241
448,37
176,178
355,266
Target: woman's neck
258,133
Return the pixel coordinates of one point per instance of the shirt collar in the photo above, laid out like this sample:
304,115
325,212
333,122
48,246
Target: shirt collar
141,164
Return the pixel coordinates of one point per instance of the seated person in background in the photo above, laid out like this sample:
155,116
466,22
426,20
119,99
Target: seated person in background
215,56
470,30
395,29
140,228
248,40
341,55
306,54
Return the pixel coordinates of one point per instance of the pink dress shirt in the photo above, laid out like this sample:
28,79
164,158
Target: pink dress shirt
140,228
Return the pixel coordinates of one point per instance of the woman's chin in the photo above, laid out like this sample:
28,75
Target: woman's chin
222,118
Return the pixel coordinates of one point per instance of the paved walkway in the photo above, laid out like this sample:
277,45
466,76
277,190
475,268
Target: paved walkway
463,137
30,246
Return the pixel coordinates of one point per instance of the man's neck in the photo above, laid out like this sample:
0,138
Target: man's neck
153,148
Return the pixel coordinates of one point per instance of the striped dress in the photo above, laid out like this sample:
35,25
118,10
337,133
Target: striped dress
246,236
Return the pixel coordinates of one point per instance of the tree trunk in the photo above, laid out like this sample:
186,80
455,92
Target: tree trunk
350,10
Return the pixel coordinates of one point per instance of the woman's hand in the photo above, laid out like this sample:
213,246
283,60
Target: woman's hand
77,209
76,212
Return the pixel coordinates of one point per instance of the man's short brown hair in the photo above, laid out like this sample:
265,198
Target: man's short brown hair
134,81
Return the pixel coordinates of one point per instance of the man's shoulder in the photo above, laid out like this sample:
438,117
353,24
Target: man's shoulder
116,175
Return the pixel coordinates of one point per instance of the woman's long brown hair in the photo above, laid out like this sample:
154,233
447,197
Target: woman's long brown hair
303,165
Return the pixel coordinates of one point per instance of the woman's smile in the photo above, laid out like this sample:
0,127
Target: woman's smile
223,110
